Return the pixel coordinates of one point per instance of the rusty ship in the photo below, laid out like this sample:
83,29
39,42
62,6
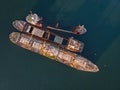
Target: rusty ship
40,39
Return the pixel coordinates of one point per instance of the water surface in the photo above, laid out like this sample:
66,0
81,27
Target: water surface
24,70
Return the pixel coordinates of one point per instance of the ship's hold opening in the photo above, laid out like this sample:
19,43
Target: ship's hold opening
65,42
58,39
51,37
45,35
31,29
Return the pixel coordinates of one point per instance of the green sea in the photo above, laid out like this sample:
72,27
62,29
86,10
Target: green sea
21,69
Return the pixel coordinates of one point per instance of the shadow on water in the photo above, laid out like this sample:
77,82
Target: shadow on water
99,17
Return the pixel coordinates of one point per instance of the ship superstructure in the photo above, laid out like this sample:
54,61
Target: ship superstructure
42,41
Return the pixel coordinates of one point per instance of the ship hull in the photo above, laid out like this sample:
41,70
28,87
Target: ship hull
52,51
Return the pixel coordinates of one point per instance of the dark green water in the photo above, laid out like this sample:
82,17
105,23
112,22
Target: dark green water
24,70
